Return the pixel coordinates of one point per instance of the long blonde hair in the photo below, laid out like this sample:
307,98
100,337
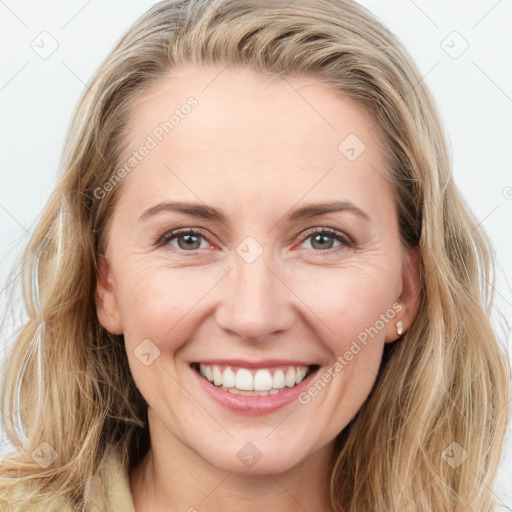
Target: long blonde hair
445,381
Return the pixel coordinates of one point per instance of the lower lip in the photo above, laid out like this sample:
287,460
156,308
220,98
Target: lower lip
254,405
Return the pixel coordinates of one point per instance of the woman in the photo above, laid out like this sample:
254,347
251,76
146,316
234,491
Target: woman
256,284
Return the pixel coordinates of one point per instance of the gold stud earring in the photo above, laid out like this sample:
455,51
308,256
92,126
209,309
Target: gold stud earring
399,328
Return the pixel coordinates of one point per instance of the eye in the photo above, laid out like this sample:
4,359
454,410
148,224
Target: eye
322,240
188,240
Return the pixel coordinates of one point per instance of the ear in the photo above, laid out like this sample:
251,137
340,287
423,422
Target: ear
409,298
104,296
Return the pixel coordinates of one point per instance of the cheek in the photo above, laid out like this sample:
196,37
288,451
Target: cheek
349,308
347,302
156,303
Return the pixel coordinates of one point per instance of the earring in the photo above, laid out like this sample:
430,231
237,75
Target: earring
399,328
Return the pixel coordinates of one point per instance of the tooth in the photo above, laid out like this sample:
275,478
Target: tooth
228,378
244,380
300,374
262,380
278,380
290,378
217,376
261,383
234,391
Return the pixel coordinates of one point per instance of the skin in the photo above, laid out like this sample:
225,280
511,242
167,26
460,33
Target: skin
257,149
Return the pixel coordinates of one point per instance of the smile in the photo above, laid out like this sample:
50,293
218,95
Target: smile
251,381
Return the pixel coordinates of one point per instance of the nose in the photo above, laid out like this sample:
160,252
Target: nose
256,302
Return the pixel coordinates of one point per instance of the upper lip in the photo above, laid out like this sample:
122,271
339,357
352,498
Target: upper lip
266,363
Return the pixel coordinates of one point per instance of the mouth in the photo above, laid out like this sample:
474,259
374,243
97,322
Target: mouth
240,380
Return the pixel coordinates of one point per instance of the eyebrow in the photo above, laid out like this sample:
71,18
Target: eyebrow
209,213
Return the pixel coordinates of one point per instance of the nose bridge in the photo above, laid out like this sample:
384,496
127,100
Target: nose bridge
255,303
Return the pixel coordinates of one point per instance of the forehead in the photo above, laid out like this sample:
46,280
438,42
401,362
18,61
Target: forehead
252,137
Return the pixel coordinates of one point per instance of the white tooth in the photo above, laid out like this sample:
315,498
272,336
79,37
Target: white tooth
263,393
217,376
273,392
228,378
278,380
202,369
234,391
209,373
244,380
290,377
262,380
300,374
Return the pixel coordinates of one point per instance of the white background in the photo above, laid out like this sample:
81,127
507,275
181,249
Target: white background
473,92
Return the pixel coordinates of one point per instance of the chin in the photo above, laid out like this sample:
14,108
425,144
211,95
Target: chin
256,457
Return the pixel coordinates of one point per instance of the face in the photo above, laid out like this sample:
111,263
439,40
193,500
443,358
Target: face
244,278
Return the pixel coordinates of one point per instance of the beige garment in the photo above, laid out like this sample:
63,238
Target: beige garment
108,491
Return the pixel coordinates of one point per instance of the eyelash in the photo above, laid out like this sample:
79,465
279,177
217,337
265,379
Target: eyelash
346,242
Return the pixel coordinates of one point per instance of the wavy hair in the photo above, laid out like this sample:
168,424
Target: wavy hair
66,380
